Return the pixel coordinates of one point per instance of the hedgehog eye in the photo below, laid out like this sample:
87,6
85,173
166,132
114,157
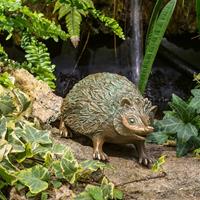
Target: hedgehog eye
131,121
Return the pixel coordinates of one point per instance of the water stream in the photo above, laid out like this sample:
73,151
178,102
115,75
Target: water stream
136,39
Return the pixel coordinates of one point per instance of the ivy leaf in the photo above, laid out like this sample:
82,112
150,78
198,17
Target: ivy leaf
57,169
26,154
195,102
70,167
182,148
93,165
117,194
7,176
56,184
6,104
3,127
185,132
5,149
17,145
172,124
59,149
159,137
95,192
22,99
107,188
34,178
33,135
183,111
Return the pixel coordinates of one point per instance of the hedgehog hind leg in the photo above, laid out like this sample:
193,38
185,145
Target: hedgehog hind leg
64,132
98,153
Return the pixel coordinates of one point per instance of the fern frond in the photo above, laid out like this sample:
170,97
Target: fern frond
38,59
15,16
73,10
109,22
42,27
3,54
73,20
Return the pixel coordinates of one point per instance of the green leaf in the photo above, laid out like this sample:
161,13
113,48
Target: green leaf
182,148
154,16
185,132
2,196
3,127
172,124
26,154
198,14
109,22
117,194
157,166
57,6
56,184
57,169
107,188
24,102
6,104
70,167
93,165
155,38
84,196
159,137
183,111
5,149
5,80
17,145
44,196
64,10
7,176
33,135
59,149
73,20
195,101
95,192
34,178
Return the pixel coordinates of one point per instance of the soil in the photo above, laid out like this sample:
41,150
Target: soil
179,179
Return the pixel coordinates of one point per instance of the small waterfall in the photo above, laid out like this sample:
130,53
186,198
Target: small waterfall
136,38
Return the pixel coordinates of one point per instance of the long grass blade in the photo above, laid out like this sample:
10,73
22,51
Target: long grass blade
153,19
155,38
198,13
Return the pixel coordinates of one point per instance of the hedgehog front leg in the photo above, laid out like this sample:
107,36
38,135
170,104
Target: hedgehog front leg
98,153
143,158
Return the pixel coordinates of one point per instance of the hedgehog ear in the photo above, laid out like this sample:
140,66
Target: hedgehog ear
125,102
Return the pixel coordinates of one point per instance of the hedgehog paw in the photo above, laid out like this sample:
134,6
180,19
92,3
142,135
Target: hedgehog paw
100,155
146,161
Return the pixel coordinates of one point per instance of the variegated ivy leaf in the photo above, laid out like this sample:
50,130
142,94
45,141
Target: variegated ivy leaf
70,167
33,135
6,104
22,99
34,178
7,176
3,127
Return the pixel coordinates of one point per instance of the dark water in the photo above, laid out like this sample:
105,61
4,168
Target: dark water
166,78
99,56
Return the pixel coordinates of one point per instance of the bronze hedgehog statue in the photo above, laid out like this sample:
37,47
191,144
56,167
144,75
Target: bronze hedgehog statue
108,107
